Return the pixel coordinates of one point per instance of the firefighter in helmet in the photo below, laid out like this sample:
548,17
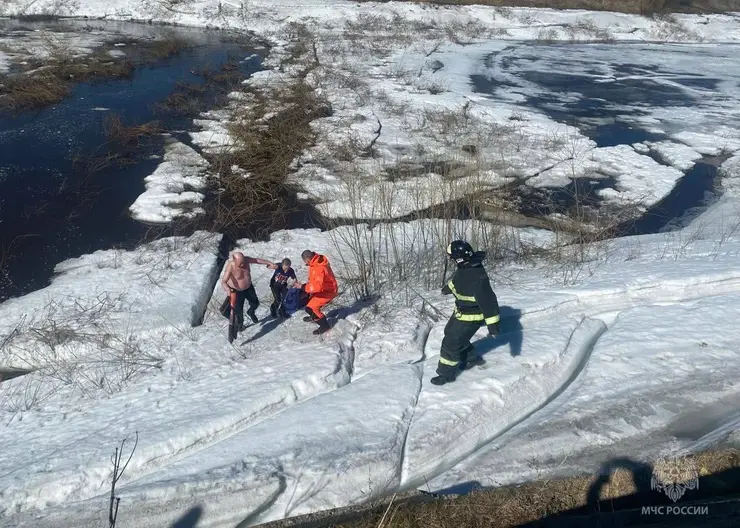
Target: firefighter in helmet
475,304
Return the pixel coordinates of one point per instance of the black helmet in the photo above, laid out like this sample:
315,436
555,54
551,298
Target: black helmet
460,251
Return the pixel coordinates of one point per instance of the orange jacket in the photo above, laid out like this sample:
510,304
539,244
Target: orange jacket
320,276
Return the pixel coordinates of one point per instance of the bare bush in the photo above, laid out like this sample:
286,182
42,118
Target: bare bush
81,343
669,28
587,29
379,254
547,35
23,92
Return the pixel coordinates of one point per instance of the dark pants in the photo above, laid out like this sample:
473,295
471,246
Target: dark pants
248,295
279,291
456,347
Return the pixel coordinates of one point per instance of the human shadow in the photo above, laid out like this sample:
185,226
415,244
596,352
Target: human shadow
268,327
641,473
190,519
512,333
342,312
464,488
630,510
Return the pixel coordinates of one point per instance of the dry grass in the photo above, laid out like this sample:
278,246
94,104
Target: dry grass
119,133
193,99
269,135
52,79
24,92
516,505
74,342
265,154
124,145
162,48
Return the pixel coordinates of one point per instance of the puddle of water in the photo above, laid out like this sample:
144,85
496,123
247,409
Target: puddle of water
51,209
630,89
618,133
689,197
699,422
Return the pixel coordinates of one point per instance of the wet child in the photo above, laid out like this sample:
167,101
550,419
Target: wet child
279,287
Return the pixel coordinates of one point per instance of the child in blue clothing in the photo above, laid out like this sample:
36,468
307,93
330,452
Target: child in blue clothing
279,287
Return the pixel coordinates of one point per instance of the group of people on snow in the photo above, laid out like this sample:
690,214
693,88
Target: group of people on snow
320,288
475,302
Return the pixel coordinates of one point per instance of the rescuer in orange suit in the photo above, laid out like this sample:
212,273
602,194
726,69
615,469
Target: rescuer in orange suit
321,288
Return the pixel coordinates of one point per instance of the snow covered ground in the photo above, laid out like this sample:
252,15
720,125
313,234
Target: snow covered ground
623,354
284,423
432,81
172,189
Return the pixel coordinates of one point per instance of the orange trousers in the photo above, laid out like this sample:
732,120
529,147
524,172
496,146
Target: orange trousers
318,300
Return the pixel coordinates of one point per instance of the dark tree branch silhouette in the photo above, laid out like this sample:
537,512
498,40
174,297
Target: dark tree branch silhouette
117,474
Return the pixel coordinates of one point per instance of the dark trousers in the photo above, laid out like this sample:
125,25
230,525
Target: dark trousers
279,291
249,295
456,347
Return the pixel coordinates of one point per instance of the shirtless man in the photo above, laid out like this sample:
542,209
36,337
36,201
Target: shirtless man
238,277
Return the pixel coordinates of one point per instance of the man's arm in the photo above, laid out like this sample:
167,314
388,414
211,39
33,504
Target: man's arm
315,280
253,260
488,303
227,277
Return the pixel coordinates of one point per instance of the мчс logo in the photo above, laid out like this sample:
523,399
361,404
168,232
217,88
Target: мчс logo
673,475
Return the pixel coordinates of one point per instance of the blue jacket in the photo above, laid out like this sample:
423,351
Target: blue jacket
281,277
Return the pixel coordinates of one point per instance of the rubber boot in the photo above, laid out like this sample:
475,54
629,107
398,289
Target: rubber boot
323,326
477,362
311,316
440,380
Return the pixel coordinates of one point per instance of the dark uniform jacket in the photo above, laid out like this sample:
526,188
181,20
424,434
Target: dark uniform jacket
474,297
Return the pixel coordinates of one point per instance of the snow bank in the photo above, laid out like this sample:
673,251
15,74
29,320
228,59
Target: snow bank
198,375
730,171
327,454
391,335
173,186
123,293
641,390
284,422
213,136
678,155
452,421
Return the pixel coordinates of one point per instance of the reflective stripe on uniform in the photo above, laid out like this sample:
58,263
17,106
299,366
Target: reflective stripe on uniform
468,317
467,298
448,362
492,320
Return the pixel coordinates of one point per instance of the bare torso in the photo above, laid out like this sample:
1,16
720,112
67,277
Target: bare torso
238,277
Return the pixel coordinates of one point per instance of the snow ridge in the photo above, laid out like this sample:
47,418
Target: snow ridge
529,397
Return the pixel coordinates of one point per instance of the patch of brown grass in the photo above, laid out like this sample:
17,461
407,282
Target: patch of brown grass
51,83
164,48
192,99
269,134
265,152
24,92
117,132
517,505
